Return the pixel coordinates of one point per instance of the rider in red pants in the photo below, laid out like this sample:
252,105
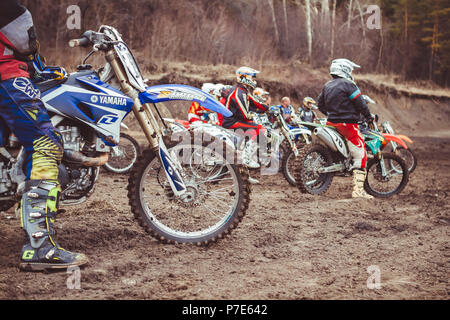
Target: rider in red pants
240,102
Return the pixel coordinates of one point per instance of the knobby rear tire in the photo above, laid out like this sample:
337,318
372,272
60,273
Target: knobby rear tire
287,159
300,170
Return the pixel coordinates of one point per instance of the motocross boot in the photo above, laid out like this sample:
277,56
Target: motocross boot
38,209
359,176
249,155
253,180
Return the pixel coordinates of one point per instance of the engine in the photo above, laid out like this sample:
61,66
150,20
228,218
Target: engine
5,182
72,138
77,172
76,178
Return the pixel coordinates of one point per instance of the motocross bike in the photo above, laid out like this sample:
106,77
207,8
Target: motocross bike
398,147
281,138
173,199
123,156
402,150
302,136
328,155
284,140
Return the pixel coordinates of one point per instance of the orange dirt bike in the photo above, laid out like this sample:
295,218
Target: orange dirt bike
401,149
394,145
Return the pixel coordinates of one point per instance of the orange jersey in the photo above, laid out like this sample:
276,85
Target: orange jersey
196,111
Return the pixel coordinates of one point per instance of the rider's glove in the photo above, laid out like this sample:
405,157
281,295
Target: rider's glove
56,73
43,72
370,118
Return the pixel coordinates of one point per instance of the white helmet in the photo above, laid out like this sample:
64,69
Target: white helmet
260,94
246,75
343,68
208,87
218,90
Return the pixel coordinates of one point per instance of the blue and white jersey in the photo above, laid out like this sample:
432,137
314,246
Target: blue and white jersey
287,112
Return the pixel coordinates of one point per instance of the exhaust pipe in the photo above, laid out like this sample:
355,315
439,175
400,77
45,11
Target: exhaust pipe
325,138
80,159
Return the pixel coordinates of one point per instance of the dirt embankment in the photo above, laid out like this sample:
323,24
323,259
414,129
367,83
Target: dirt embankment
410,109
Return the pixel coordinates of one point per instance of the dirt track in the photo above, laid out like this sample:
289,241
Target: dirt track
289,246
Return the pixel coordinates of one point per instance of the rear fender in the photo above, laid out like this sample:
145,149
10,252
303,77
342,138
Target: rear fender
332,139
229,137
170,92
298,131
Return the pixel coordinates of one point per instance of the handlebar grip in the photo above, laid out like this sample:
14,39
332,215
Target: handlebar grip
82,42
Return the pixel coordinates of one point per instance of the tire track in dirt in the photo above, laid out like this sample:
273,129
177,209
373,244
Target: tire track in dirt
289,246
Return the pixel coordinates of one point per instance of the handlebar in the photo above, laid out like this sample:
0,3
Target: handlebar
82,42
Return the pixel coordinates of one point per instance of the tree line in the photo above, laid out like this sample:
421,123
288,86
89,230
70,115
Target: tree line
413,39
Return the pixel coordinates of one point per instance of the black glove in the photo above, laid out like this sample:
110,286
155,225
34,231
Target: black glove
370,118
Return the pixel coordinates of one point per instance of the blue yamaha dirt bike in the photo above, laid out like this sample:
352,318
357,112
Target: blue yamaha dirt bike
172,196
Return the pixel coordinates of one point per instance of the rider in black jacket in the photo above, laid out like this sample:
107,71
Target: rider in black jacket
341,101
343,104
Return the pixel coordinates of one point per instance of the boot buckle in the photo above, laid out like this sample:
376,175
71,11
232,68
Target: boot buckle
35,215
50,253
38,234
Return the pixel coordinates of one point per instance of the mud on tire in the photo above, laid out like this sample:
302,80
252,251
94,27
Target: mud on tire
289,159
390,158
308,181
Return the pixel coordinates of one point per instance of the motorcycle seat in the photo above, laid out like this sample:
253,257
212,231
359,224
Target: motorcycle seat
185,124
49,84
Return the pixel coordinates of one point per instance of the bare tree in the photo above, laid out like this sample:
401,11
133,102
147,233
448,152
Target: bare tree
350,8
434,45
361,14
308,28
274,21
333,26
325,13
285,21
380,51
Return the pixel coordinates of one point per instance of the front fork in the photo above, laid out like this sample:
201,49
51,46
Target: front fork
290,139
394,146
384,172
150,126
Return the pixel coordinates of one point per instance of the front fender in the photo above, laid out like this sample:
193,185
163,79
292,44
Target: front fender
310,125
391,137
169,92
297,131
